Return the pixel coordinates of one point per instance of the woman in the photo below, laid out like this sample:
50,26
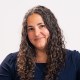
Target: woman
42,54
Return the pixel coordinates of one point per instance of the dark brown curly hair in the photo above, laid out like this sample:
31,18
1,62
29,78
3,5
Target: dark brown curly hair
55,48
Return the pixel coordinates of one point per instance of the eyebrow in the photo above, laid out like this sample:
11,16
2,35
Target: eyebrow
29,26
37,24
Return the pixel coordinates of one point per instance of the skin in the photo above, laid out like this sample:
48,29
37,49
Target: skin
38,35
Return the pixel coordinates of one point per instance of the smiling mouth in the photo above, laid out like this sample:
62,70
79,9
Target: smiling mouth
38,38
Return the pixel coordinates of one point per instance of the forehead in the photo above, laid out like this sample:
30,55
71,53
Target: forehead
34,18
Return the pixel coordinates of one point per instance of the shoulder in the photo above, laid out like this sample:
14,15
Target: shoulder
73,57
73,54
8,67
10,60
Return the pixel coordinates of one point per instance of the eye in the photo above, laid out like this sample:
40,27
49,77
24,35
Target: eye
30,29
41,26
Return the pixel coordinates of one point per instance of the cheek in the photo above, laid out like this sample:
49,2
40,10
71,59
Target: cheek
47,33
30,36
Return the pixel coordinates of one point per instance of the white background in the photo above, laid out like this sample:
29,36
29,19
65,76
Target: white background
12,12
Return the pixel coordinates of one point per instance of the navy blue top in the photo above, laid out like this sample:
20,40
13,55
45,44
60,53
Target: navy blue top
71,70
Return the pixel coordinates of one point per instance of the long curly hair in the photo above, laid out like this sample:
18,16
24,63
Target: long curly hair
55,48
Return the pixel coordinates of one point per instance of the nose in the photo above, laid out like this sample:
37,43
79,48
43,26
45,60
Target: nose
37,32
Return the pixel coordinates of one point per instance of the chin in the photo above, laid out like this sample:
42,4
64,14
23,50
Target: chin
40,47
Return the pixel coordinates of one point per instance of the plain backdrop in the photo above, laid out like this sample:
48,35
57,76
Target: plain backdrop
12,12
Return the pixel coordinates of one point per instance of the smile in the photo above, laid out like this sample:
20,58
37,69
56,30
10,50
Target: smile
38,38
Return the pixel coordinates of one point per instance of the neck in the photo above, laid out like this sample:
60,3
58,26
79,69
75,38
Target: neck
41,57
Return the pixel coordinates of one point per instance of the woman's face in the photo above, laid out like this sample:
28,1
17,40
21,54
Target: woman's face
38,34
